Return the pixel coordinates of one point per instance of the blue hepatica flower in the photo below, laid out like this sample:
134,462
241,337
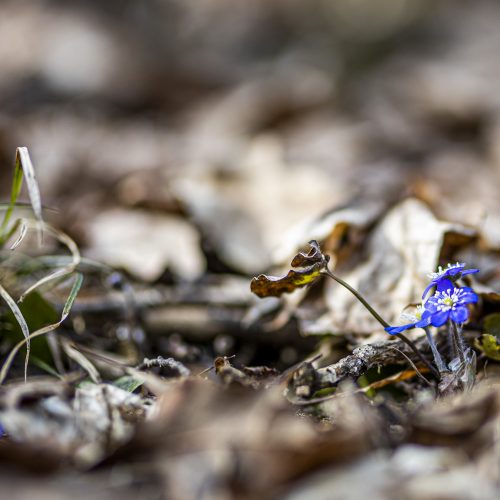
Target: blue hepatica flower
442,279
450,304
420,319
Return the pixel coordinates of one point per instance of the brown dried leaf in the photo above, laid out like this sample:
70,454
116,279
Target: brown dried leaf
310,258
313,263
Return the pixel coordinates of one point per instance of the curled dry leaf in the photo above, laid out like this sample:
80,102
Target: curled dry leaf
312,264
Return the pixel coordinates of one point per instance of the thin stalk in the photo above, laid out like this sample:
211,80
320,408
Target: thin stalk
379,318
457,341
372,311
437,356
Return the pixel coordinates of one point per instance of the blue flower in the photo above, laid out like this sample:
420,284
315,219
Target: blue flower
450,303
443,278
420,319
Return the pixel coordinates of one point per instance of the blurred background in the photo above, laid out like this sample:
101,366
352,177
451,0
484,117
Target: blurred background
193,144
186,136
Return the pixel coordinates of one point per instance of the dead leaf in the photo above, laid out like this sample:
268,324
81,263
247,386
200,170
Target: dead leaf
80,428
405,246
146,244
313,264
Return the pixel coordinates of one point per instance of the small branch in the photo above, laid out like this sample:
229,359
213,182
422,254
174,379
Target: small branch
170,364
307,380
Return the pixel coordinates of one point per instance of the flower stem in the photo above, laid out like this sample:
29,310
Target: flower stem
379,318
437,356
372,311
458,342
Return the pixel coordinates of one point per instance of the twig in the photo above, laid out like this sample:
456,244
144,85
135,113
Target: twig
307,380
172,365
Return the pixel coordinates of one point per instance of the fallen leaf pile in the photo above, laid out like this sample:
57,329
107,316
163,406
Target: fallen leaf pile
191,150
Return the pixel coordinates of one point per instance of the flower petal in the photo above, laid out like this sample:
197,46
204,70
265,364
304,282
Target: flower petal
444,285
431,305
459,314
427,289
440,318
470,271
425,320
468,298
394,330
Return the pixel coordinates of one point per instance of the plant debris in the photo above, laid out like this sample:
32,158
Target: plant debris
311,266
176,150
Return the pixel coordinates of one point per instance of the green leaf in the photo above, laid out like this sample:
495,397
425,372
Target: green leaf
128,383
42,331
36,312
489,345
21,321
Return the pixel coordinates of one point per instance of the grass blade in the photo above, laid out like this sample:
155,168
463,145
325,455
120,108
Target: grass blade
68,269
79,358
22,323
42,331
23,161
22,233
17,183
23,167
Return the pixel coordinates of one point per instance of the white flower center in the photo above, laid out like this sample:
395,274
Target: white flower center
416,316
447,300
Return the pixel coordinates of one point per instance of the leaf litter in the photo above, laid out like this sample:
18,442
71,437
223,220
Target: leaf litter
160,374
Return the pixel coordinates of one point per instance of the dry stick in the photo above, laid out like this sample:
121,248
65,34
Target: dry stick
384,323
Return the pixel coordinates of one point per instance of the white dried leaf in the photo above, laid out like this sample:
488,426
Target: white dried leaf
403,248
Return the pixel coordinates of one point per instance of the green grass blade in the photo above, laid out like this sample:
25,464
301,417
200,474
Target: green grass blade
23,167
72,296
17,183
42,331
22,323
